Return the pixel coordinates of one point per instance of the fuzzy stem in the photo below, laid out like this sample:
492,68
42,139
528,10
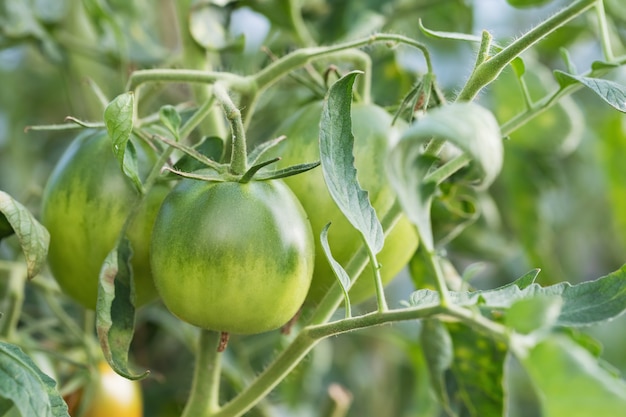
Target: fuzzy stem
489,70
378,282
239,156
205,388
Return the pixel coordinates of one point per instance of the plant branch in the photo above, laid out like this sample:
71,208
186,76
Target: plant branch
334,297
273,72
277,69
546,102
605,36
489,70
381,302
187,76
239,156
312,334
205,388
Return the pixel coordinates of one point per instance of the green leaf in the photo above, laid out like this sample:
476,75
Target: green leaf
171,119
534,314
115,310
118,118
471,128
437,347
525,280
32,392
517,63
571,382
285,172
611,92
448,35
478,370
261,149
33,237
340,273
599,65
198,157
201,174
583,304
336,145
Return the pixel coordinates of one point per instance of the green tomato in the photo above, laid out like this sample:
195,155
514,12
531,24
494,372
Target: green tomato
373,135
232,257
85,204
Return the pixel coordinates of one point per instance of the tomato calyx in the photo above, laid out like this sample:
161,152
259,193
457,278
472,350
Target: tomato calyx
219,172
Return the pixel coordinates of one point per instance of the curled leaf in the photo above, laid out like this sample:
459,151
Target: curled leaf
33,237
115,312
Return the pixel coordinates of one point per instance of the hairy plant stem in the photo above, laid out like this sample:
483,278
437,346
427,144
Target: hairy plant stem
239,156
310,335
204,397
381,302
548,101
252,84
487,71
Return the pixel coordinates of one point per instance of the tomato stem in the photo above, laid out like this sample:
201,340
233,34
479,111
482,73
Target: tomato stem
487,71
378,282
548,101
204,397
239,156
605,37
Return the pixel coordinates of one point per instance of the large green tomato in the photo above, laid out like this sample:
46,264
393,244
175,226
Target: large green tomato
85,204
373,135
232,257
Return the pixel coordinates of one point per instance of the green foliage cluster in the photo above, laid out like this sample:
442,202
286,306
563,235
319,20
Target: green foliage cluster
506,157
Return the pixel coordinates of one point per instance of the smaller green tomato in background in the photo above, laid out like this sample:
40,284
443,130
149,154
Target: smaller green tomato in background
85,204
232,257
373,135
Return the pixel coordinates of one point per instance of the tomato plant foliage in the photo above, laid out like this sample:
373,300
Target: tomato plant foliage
233,168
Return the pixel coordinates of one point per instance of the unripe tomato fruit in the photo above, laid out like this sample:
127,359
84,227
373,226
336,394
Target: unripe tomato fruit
110,396
85,203
232,257
373,135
